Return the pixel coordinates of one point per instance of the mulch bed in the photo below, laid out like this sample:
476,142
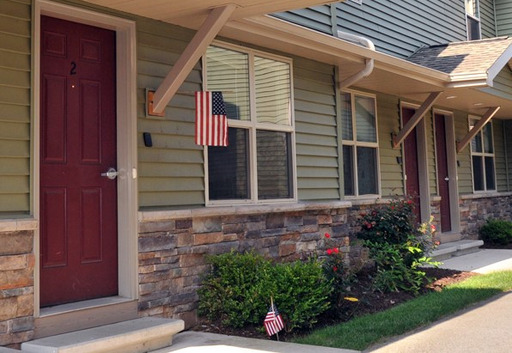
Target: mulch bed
369,302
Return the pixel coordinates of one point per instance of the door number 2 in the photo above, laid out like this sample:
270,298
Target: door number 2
73,68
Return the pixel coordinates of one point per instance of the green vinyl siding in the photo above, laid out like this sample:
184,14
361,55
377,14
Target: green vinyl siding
504,17
15,83
171,173
507,137
499,155
431,153
316,134
398,28
502,84
487,20
464,173
391,173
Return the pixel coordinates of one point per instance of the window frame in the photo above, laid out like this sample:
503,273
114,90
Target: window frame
482,155
252,126
355,144
473,16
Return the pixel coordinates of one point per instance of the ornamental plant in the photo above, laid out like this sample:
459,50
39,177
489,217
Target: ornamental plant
398,247
336,270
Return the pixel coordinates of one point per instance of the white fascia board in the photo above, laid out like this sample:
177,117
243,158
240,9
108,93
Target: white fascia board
499,64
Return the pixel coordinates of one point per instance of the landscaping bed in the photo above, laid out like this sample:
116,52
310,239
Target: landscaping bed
368,302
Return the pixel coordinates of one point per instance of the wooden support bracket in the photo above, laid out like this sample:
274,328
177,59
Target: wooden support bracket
415,119
190,56
476,129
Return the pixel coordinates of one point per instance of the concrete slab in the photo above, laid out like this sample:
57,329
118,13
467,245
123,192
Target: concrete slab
133,336
485,328
202,342
483,261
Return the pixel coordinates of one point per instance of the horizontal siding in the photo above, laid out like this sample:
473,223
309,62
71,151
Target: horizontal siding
399,27
487,20
504,17
317,18
499,155
315,126
391,174
502,85
15,84
171,173
507,132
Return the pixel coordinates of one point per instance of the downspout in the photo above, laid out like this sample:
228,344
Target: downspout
369,62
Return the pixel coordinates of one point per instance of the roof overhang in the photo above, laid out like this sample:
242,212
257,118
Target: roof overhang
391,75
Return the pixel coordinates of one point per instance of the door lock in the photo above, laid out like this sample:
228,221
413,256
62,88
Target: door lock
111,173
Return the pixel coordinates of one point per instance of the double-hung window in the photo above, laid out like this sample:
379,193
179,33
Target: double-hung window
482,158
473,19
360,144
258,164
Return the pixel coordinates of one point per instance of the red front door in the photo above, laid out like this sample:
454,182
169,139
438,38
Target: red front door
78,234
442,172
412,181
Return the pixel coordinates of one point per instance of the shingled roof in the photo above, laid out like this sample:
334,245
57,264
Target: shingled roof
463,58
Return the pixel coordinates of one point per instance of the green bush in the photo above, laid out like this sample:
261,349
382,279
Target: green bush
238,289
397,246
496,231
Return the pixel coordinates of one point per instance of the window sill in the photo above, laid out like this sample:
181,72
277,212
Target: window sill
484,194
15,225
150,216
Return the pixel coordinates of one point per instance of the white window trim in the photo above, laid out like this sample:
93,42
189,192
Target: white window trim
252,126
475,16
482,154
354,143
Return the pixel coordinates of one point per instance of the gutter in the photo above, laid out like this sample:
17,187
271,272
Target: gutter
369,62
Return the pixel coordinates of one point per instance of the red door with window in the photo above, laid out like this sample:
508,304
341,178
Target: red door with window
78,206
412,181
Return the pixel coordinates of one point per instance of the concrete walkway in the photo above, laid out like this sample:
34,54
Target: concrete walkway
484,328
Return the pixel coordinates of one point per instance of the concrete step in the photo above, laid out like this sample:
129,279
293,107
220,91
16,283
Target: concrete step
8,350
456,248
133,336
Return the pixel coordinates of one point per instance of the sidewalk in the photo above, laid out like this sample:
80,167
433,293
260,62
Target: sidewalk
482,328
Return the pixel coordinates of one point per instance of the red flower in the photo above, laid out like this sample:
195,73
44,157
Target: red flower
334,268
336,250
409,202
432,227
327,235
329,251
392,207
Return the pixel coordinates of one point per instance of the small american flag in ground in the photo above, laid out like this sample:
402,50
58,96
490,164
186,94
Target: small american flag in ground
211,119
273,321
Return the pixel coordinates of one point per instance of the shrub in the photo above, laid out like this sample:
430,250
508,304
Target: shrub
237,291
496,231
397,246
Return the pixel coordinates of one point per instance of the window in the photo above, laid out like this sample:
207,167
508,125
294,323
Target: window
482,158
257,166
473,19
360,146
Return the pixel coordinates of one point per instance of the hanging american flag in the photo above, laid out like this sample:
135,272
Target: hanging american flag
273,321
211,119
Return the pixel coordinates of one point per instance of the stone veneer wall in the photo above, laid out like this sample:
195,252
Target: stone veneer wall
173,246
476,208
16,282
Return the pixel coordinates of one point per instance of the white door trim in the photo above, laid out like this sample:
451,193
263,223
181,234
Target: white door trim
126,135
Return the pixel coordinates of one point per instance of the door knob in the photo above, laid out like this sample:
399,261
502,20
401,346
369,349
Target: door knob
111,173
446,179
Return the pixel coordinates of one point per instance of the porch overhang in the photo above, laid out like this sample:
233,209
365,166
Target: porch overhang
248,23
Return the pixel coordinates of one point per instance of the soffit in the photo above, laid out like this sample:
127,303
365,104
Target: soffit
191,13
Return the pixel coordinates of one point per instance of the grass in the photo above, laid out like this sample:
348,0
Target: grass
359,333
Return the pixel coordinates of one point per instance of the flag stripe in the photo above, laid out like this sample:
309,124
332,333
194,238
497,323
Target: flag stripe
273,321
211,121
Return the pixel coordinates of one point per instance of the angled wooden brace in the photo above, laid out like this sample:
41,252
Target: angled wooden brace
190,56
415,119
476,129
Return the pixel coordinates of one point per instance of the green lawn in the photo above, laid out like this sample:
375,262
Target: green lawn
359,333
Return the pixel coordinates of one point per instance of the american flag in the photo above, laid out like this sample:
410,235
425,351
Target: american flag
211,119
273,321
